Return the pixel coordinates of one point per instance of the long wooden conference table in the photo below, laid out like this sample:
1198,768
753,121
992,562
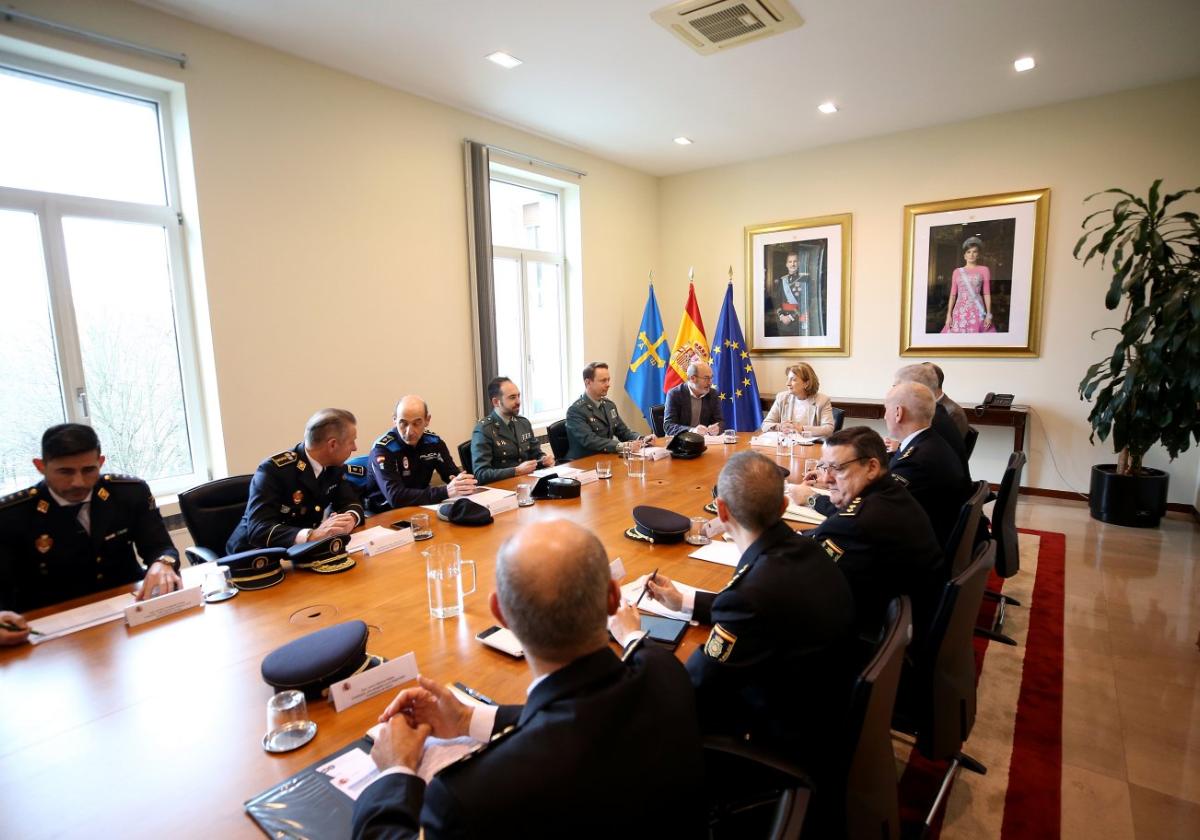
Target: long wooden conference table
157,731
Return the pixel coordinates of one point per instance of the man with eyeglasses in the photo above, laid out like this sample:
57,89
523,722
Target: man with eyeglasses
694,406
874,529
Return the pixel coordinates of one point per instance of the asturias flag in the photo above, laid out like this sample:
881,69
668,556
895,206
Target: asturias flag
733,374
644,379
690,343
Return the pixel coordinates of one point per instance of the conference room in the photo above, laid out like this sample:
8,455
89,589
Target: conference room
309,232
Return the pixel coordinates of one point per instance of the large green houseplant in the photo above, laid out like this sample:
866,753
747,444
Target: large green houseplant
1147,390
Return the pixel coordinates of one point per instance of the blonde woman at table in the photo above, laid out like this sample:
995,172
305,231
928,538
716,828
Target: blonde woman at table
801,408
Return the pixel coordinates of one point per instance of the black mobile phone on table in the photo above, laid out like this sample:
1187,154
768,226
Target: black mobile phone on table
401,524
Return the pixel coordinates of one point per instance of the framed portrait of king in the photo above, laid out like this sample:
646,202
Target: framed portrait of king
798,287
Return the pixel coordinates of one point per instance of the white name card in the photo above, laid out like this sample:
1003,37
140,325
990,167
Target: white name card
345,693
387,541
152,609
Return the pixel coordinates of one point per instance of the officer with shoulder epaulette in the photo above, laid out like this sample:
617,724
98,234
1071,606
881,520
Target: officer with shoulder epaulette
874,530
74,533
923,461
771,669
593,424
402,462
503,443
301,494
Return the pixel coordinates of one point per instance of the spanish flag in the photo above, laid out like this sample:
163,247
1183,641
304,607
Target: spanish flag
690,343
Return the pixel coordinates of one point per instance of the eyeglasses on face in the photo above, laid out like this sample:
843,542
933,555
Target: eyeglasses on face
839,469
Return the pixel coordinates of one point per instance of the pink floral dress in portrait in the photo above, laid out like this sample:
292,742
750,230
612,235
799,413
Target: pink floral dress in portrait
969,287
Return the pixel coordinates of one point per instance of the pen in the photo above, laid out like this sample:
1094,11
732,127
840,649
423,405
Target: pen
4,625
646,587
470,692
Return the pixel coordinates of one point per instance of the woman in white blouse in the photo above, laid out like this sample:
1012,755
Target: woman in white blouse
801,408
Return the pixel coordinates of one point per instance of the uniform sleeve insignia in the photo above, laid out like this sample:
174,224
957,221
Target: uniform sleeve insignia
853,507
43,543
381,459
834,550
720,644
102,494
900,478
284,458
356,469
297,497
43,506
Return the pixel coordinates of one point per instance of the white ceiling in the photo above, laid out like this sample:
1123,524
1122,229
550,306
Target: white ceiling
602,76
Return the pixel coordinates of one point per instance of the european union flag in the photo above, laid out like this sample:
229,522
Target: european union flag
647,364
733,374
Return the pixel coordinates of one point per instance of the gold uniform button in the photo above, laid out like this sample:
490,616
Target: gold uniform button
99,577
317,508
98,560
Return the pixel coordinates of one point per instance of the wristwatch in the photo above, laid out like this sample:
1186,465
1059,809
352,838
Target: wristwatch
811,501
173,562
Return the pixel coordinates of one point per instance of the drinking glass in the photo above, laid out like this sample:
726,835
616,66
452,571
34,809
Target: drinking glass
288,726
443,572
604,469
420,526
635,462
524,499
696,535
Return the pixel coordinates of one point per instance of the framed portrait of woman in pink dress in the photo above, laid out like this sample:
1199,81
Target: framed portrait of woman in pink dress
973,270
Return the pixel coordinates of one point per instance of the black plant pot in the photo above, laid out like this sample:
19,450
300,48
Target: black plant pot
1135,500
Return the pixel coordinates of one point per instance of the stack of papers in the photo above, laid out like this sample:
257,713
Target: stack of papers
633,590
714,440
803,513
72,621
771,439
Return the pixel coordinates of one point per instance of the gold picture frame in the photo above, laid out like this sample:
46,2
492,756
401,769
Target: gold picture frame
800,308
986,304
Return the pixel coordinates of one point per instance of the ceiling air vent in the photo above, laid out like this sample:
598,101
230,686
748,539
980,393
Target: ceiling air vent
708,26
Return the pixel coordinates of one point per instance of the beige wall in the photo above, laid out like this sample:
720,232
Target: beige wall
334,224
1123,140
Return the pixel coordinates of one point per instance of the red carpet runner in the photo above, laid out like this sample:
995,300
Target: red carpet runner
1033,799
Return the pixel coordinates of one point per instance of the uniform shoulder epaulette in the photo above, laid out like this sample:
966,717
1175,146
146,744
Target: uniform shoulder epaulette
900,478
119,478
490,420
854,507
496,739
431,437
736,577
356,470
385,439
282,459
580,401
13,499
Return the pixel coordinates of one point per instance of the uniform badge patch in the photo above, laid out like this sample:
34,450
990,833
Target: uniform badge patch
102,494
852,508
43,506
43,543
356,469
720,644
297,497
834,550
406,462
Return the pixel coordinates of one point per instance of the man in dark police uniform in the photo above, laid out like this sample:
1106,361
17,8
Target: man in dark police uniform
401,464
74,532
593,424
301,494
591,720
503,444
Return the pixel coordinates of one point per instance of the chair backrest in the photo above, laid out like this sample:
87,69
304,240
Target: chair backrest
969,439
839,417
1004,517
945,666
464,456
211,511
559,445
657,424
960,544
872,806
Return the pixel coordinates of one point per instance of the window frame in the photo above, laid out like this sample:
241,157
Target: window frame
51,208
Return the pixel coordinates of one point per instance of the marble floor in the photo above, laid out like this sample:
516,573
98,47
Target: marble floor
1131,727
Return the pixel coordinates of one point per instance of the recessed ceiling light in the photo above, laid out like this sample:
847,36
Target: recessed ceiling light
827,108
683,141
1023,64
505,60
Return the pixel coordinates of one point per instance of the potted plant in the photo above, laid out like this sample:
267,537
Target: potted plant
1147,390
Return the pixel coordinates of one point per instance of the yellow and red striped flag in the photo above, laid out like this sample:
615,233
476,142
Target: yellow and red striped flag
690,343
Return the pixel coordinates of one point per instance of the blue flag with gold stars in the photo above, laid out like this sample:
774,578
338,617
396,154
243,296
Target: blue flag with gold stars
648,362
733,374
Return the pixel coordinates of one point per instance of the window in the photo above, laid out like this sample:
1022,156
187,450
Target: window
96,321
531,232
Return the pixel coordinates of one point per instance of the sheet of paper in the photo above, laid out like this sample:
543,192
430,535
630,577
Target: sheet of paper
803,513
719,551
714,440
351,772
72,621
632,590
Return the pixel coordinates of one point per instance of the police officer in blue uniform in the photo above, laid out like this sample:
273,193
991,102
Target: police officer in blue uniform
301,494
875,531
923,461
75,532
402,462
593,424
503,443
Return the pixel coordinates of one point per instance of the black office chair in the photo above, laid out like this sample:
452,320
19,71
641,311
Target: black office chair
839,418
872,806
657,424
1008,553
960,545
969,439
211,512
464,456
938,691
559,444
782,809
